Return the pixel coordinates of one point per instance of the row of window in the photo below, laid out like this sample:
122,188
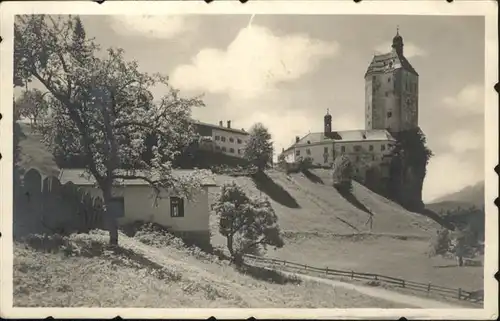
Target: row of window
231,150
231,139
356,148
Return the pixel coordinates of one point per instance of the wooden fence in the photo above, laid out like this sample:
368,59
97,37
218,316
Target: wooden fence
454,293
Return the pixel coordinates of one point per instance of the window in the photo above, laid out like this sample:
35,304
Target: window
217,147
176,207
222,138
370,148
373,157
308,151
231,150
389,79
382,147
357,158
217,137
231,139
239,141
357,148
308,141
342,149
374,78
326,150
223,149
239,151
389,114
297,152
386,94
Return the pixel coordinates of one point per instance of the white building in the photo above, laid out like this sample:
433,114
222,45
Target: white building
223,139
136,201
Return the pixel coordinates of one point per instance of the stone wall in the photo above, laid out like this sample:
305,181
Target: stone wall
43,205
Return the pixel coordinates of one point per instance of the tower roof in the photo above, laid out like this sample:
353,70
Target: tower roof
392,60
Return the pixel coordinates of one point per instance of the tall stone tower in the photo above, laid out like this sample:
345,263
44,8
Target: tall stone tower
391,91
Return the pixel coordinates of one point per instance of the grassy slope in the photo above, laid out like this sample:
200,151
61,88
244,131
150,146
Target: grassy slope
126,279
317,235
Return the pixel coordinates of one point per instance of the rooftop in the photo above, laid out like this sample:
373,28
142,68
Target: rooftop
344,136
388,62
78,177
225,128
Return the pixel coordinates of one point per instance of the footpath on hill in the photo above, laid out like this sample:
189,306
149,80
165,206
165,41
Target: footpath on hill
384,294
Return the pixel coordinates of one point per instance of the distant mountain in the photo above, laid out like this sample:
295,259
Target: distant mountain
469,196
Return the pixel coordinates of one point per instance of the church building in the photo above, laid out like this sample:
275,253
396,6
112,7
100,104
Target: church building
391,106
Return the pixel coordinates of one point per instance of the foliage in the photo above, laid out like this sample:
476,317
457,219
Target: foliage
259,147
408,167
441,243
249,224
32,105
102,106
342,172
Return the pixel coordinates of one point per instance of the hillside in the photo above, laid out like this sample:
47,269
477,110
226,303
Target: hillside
82,271
323,228
469,196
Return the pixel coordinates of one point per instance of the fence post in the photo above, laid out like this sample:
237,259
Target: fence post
326,270
376,277
403,283
429,287
460,293
284,263
352,275
305,267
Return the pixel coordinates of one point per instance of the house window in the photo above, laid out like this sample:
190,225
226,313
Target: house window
389,114
217,137
382,147
231,150
217,147
389,79
342,149
370,148
297,152
223,138
386,94
239,141
223,149
308,141
308,151
231,139
176,207
374,78
357,148
326,150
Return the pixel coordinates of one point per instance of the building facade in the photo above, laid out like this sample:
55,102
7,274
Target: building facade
223,139
391,91
135,197
391,106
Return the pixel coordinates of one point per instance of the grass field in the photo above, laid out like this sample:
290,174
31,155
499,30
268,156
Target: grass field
86,273
321,228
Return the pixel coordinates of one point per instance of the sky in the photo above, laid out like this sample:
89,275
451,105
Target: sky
285,71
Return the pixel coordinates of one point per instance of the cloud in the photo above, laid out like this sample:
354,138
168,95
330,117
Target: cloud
410,49
468,101
253,63
448,173
464,140
159,27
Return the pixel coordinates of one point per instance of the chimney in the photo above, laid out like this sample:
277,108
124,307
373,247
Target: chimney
220,123
297,138
228,124
283,150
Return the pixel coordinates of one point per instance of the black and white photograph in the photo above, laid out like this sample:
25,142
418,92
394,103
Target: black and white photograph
317,158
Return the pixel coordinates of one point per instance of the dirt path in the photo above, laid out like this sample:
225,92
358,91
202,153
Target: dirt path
388,295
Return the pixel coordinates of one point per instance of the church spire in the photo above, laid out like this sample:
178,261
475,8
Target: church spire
328,121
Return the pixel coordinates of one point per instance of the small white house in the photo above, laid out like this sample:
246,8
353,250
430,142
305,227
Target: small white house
190,219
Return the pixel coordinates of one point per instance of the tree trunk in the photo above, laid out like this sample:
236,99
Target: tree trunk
230,244
110,217
460,260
